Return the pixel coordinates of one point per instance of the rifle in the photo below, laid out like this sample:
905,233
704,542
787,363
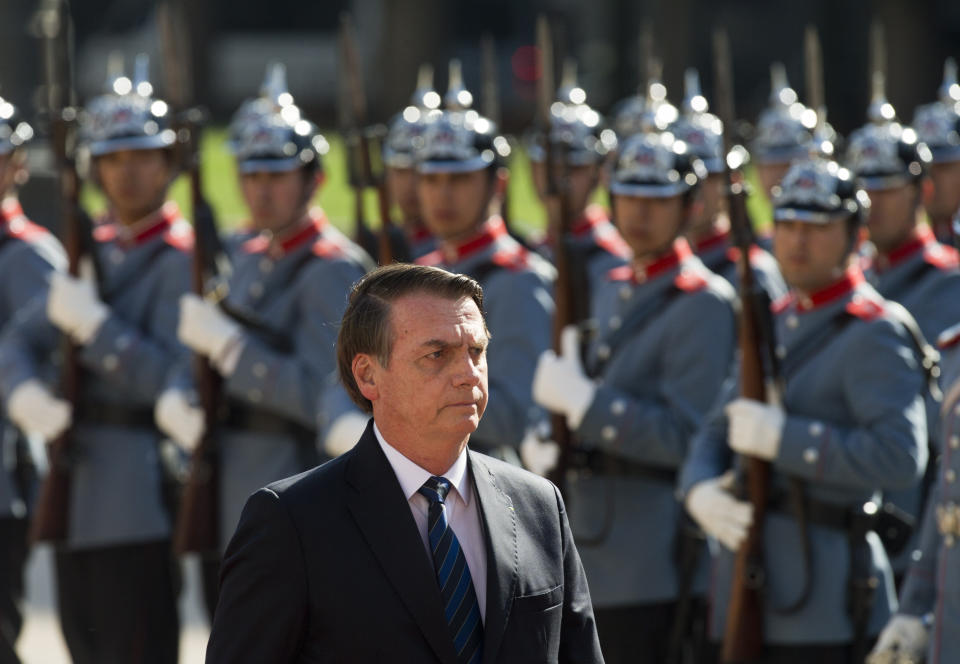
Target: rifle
743,638
197,522
558,213
364,166
491,111
51,517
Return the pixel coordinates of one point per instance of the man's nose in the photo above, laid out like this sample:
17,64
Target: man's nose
469,371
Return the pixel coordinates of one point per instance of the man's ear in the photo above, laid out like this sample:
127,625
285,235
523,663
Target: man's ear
365,371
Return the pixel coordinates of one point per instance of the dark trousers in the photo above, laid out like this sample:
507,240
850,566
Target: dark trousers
118,604
210,578
635,634
13,554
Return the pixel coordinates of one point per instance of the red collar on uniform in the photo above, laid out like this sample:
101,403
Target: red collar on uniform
712,241
151,226
920,238
592,217
9,210
490,231
852,278
679,252
418,234
307,230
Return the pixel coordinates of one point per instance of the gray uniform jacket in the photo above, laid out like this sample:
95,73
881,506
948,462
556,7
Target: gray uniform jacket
921,275
290,293
664,346
720,256
28,253
932,584
517,295
116,481
855,426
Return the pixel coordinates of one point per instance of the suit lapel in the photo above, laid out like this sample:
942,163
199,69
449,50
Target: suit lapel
500,530
383,516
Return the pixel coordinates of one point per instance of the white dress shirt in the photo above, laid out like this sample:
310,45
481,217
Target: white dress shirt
463,513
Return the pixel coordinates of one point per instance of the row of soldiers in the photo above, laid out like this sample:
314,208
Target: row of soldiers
645,381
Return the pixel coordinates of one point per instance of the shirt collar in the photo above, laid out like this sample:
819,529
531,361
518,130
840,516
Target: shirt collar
715,240
678,252
412,477
489,232
592,217
919,239
852,277
154,224
280,244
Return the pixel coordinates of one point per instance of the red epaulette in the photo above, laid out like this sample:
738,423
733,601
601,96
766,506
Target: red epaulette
949,337
433,259
180,236
326,248
941,256
865,308
781,304
26,230
690,281
511,259
614,244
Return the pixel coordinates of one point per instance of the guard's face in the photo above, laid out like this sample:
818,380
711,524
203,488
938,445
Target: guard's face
581,181
892,215
134,181
712,192
402,185
434,387
277,200
649,225
770,175
944,201
811,256
454,204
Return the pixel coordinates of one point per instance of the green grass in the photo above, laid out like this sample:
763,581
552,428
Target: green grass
336,197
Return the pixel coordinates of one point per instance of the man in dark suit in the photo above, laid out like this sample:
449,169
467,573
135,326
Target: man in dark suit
409,547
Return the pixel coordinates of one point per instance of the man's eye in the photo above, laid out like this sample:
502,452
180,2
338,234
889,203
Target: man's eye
478,351
435,355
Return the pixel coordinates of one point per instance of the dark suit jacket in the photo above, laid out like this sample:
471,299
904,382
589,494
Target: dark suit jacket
328,566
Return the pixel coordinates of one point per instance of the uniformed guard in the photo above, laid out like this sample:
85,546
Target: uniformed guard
938,125
404,135
783,133
849,423
28,253
709,230
272,337
908,265
462,177
663,347
581,145
928,620
116,579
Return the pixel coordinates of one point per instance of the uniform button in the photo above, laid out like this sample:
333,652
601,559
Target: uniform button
618,407
792,322
816,429
254,395
954,442
603,352
950,475
266,265
811,455
116,256
625,292
615,322
781,352
608,433
111,362
256,289
259,369
123,342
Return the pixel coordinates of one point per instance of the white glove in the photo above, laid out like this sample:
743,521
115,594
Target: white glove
344,433
538,455
205,329
755,428
179,419
711,505
904,635
74,306
37,412
560,384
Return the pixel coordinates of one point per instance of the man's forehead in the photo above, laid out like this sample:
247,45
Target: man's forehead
425,311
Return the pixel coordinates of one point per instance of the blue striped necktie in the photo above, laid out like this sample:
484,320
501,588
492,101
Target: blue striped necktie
460,605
